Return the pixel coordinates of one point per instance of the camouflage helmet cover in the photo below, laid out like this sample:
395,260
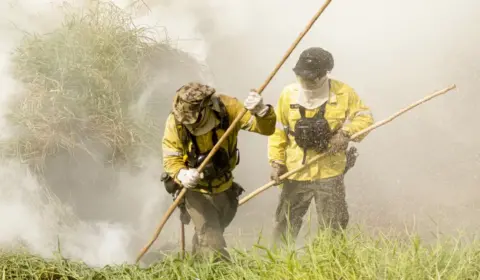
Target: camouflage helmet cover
189,101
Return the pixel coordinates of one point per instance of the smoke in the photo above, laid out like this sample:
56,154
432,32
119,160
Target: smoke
97,226
421,170
418,172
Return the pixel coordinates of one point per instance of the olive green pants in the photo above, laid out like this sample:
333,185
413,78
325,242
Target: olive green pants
296,196
211,214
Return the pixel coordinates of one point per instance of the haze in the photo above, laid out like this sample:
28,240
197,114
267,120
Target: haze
419,172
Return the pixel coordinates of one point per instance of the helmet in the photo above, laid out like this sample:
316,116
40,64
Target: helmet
189,101
313,63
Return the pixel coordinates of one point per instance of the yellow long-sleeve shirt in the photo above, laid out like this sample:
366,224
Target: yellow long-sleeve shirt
344,110
175,156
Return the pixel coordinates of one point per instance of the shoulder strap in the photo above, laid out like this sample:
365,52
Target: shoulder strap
302,111
224,121
223,114
185,137
321,111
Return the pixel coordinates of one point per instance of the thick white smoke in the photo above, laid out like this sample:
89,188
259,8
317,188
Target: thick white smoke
422,167
419,169
33,218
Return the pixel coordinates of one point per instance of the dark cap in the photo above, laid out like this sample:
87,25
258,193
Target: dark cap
313,63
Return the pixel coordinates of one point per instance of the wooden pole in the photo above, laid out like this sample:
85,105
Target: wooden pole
182,239
368,129
230,129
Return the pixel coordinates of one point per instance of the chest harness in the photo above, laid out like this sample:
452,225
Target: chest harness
311,133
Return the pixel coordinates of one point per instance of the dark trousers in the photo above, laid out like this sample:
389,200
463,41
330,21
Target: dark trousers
211,214
296,196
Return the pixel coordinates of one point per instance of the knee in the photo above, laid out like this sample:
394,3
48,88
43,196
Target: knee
211,237
288,218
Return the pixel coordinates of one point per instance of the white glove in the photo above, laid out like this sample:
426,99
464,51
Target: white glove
254,103
189,177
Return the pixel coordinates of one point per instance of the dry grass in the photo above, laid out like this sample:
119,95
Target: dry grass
81,81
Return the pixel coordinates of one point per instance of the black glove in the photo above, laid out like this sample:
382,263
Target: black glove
277,171
339,142
170,185
351,158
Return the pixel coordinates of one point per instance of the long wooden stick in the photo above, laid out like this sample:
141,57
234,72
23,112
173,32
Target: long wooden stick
229,130
356,135
182,239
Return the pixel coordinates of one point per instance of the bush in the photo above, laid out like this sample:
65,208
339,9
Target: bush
97,91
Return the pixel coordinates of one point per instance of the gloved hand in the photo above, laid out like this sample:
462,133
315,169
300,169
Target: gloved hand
277,171
351,158
254,103
339,142
189,177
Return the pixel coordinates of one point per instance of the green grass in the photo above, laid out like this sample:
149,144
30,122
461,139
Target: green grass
355,256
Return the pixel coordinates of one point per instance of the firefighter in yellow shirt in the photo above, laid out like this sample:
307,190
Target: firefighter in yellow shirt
315,114
199,118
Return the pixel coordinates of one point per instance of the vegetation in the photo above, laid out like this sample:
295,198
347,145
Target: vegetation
355,256
95,93
82,83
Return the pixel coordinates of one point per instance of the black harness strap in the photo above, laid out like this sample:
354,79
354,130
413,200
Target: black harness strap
195,152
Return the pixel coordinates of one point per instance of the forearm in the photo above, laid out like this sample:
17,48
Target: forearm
358,124
172,165
359,118
264,125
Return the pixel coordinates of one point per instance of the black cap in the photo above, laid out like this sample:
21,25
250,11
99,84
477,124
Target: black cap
313,63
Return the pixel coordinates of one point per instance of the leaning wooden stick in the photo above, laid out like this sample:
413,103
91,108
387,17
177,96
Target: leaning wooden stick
182,239
229,130
356,135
